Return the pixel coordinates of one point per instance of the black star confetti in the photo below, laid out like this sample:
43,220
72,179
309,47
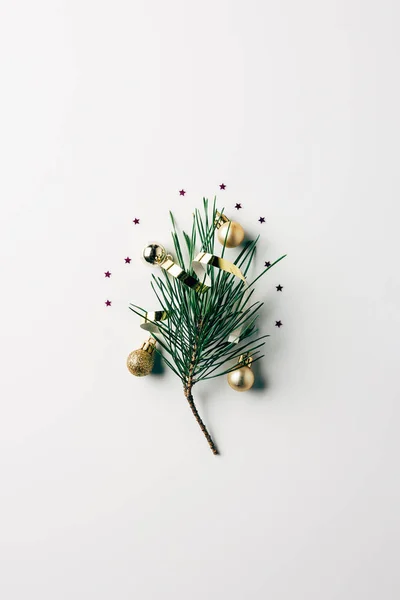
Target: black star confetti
279,288
136,221
267,264
238,206
278,323
262,219
222,186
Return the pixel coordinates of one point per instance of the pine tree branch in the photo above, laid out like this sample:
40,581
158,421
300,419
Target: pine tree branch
195,335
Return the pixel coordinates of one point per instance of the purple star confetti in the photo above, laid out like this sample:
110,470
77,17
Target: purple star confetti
107,274
127,260
136,221
222,186
182,192
107,302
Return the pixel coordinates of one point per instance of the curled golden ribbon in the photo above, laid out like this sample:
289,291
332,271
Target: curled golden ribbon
150,319
176,271
204,258
155,254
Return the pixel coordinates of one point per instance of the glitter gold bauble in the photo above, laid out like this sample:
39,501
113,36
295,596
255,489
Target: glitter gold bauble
140,362
229,233
154,254
242,378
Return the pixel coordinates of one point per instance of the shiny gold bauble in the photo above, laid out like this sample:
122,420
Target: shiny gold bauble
140,362
154,254
241,379
231,234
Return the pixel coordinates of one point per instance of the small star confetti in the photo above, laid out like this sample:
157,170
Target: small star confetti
127,260
222,186
278,323
107,302
238,206
267,264
279,288
107,274
136,221
262,219
182,192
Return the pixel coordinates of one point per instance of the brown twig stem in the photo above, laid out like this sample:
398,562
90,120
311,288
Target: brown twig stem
188,393
189,397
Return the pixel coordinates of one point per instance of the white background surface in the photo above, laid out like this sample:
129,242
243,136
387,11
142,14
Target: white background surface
108,489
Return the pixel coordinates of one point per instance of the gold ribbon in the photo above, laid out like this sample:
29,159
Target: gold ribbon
234,337
176,271
156,254
149,321
204,258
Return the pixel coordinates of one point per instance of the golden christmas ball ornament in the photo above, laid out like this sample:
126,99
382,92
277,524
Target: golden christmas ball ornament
140,362
229,233
242,378
155,254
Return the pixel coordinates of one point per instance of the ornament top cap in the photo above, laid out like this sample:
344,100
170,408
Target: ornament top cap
220,219
245,359
149,345
154,254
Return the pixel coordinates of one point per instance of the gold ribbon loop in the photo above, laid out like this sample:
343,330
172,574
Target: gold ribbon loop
155,254
149,321
204,258
234,337
176,271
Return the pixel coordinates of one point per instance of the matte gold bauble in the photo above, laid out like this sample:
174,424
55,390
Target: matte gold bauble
154,254
242,378
140,362
229,233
